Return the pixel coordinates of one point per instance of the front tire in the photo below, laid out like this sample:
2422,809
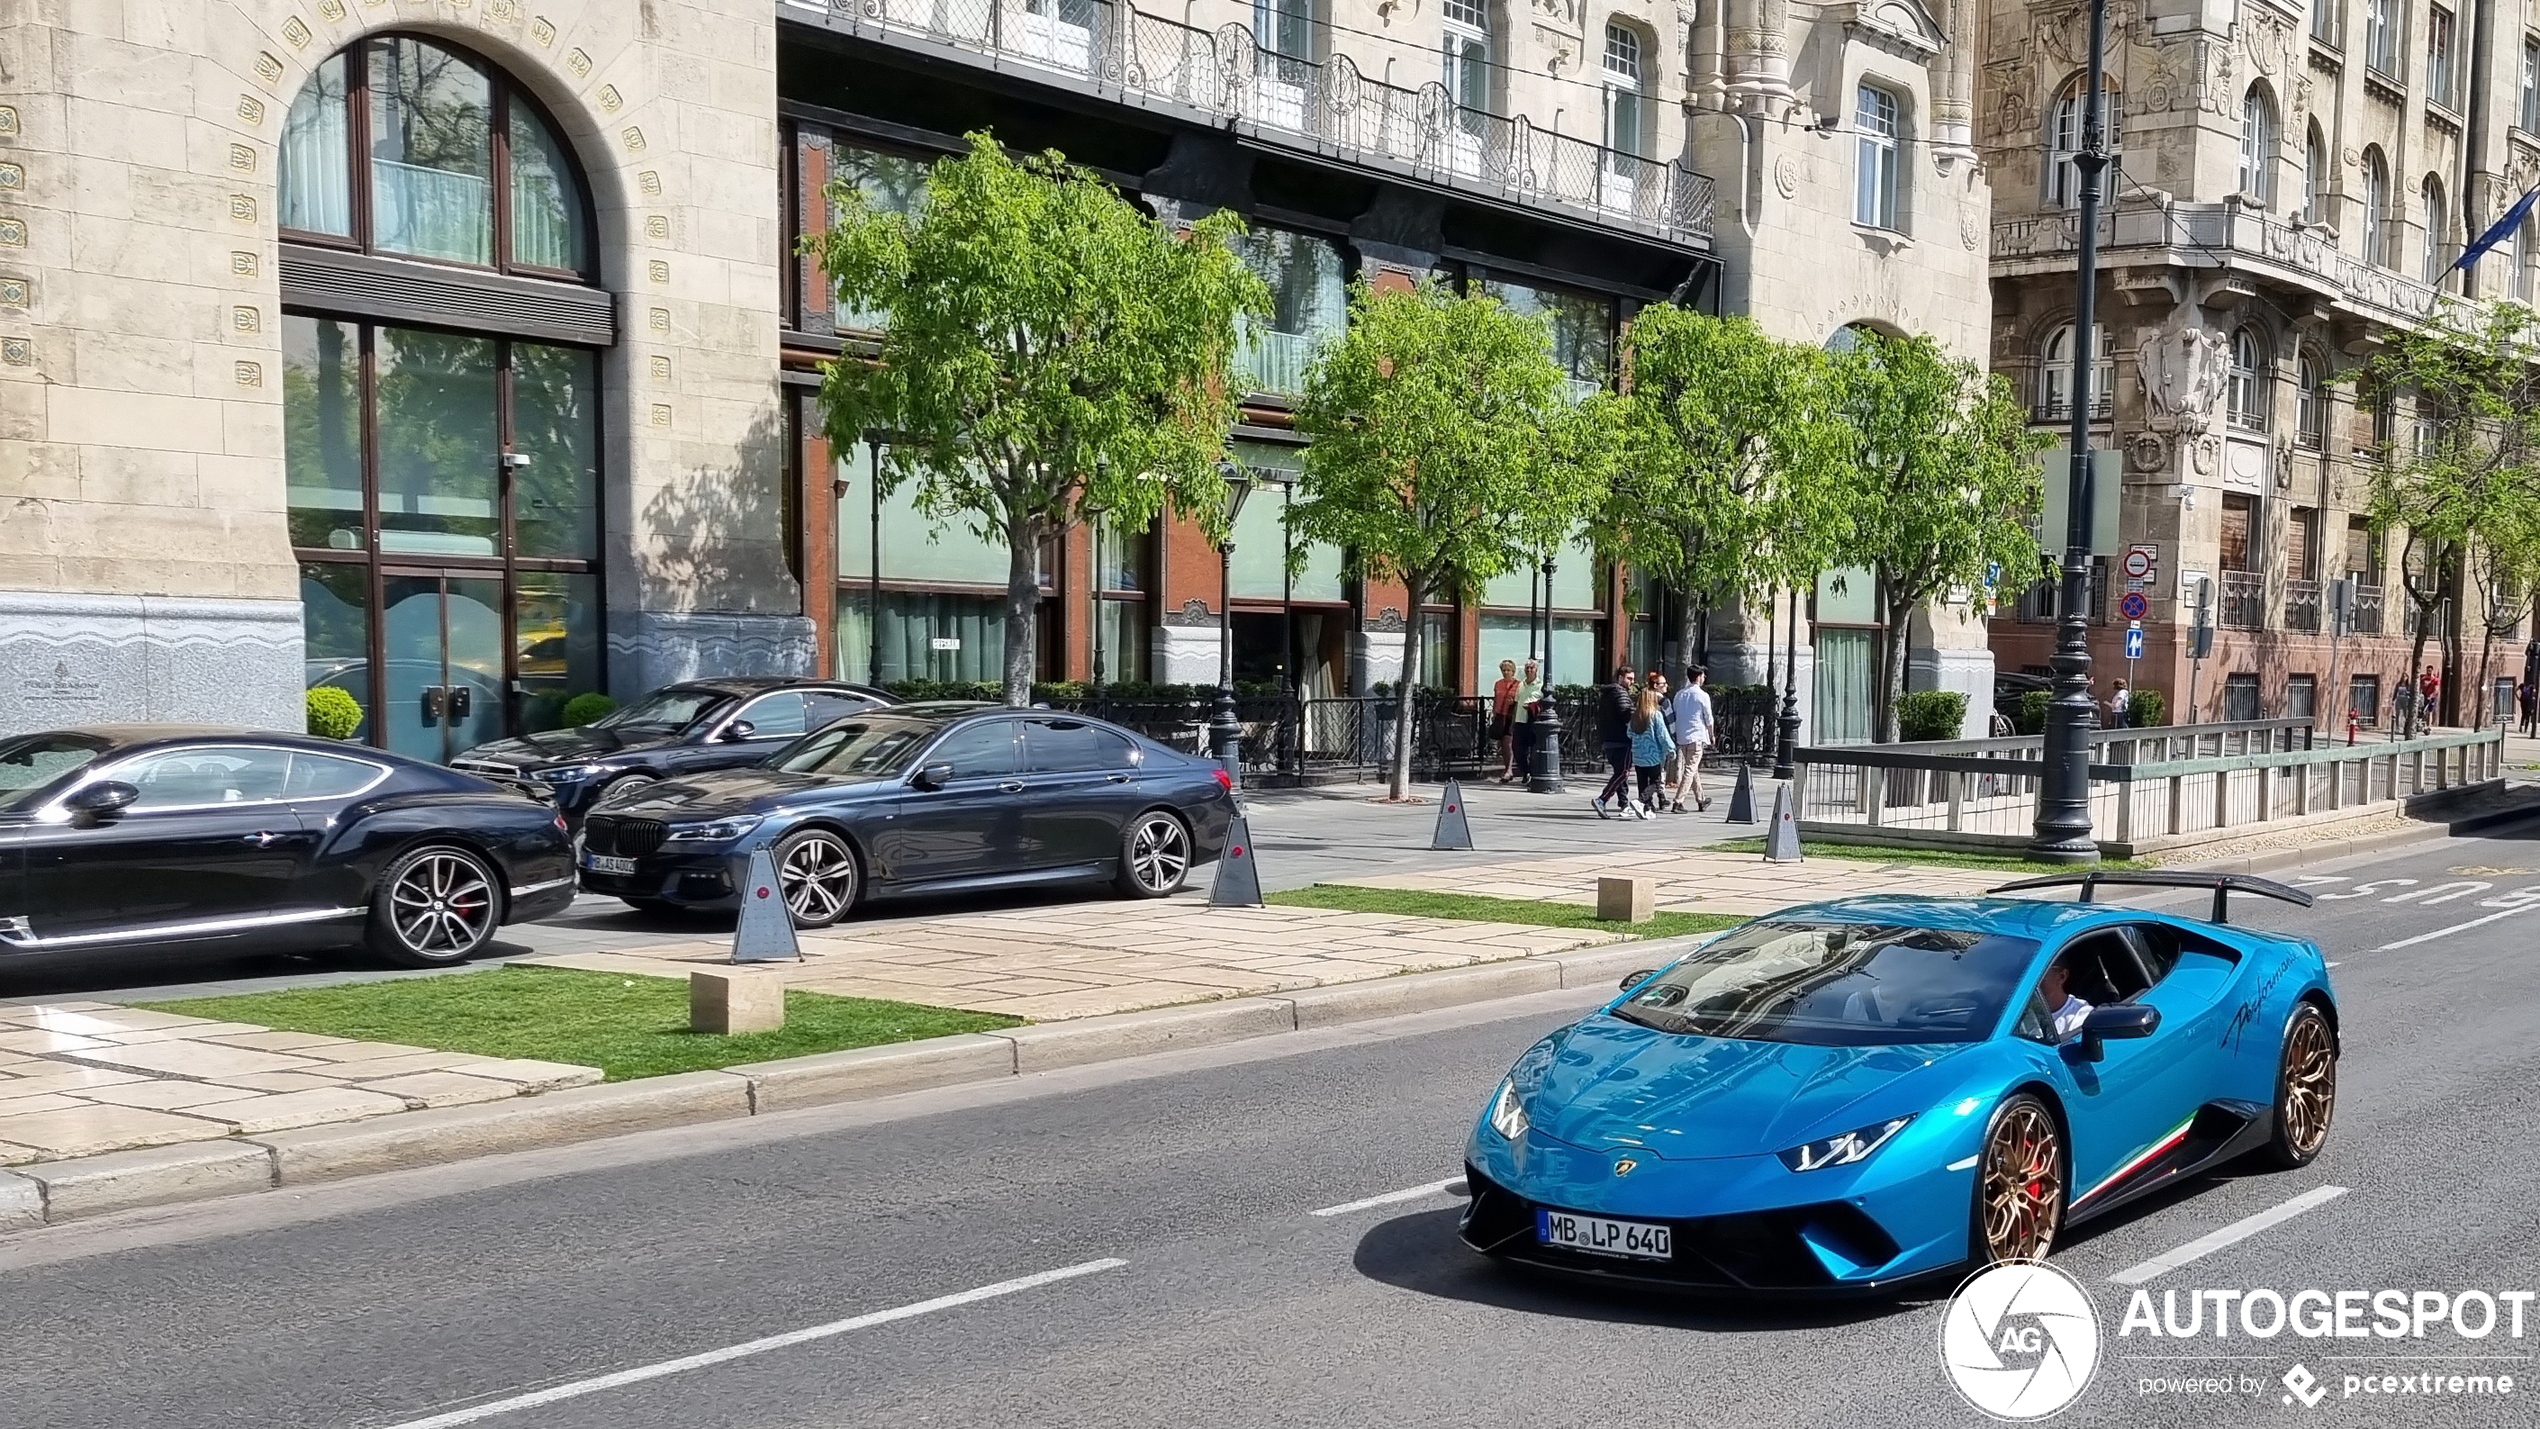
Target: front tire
2305,1090
1155,855
436,906
2020,1184
819,877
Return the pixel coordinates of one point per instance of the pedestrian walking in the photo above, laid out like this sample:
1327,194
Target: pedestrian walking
2120,706
1690,715
1614,735
2403,708
1521,722
2429,688
2529,699
1503,719
1652,743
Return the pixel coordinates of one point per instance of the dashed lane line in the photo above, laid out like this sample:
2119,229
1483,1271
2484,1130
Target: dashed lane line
2229,1235
1390,1198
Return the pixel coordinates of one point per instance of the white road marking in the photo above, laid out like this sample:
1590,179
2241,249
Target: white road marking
2232,1234
580,1387
2328,965
2445,932
1408,1193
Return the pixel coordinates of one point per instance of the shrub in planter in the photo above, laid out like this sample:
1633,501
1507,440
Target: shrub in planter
2031,718
1931,714
586,707
2147,709
333,714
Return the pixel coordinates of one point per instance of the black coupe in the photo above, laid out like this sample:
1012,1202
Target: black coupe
153,836
919,798
675,730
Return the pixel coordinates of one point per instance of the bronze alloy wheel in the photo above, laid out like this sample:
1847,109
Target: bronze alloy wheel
2306,1088
2020,1186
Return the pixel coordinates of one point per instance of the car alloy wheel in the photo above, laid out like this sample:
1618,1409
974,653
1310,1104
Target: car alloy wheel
438,906
1156,855
2306,1089
2020,1186
817,872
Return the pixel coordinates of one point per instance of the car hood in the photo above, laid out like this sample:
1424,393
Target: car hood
564,746
1608,1083
722,793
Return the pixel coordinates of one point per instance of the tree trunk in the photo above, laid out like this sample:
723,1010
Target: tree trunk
2456,582
1688,631
1892,672
1022,606
1406,689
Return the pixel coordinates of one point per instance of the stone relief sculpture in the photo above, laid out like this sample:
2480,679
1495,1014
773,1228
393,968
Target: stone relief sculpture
2184,371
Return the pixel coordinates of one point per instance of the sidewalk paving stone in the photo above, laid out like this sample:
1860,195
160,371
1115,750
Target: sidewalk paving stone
191,1059
283,1110
89,1129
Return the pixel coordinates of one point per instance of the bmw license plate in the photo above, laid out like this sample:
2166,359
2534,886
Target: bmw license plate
603,863
1597,1235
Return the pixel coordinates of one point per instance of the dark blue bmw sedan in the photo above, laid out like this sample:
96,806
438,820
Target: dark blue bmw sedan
921,798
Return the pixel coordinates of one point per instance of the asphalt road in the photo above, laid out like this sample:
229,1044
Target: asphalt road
1181,1191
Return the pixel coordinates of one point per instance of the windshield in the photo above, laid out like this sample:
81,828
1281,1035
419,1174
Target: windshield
675,708
35,760
1836,985
860,747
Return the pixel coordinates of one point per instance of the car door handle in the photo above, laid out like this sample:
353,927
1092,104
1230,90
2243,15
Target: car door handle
262,838
1116,778
1011,786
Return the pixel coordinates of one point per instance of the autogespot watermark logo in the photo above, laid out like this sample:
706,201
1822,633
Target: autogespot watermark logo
2020,1341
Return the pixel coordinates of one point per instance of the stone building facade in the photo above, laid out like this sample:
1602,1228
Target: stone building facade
2294,184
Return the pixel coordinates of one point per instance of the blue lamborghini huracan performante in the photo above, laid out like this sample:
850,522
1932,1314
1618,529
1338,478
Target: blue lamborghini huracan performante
1856,1094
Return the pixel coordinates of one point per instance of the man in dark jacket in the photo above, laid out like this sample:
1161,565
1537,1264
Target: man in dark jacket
1614,733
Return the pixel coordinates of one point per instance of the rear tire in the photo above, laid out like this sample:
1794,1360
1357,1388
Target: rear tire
435,906
1155,855
2305,1090
819,876
2021,1175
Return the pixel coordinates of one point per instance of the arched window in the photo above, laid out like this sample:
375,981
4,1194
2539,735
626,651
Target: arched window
2063,141
1623,119
2055,374
2257,144
2310,402
2376,235
1878,119
2438,230
2248,381
2314,173
459,164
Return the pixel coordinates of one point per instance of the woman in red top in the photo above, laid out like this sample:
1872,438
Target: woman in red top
1503,710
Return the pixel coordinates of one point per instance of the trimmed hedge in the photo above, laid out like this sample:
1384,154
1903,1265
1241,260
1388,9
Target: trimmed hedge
2030,716
2148,708
1931,714
584,708
333,714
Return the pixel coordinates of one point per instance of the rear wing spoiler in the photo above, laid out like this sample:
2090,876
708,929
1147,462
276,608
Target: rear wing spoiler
2223,885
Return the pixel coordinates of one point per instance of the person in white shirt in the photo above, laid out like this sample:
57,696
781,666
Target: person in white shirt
1690,714
2121,707
2069,1011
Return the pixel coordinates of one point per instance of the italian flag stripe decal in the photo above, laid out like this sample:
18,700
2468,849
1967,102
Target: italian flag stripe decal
2177,1134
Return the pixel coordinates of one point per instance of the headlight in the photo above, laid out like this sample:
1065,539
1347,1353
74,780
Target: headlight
721,831
1843,1150
565,773
1507,1114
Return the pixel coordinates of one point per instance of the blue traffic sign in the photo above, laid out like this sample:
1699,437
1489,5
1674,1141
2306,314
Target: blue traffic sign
2133,643
2133,606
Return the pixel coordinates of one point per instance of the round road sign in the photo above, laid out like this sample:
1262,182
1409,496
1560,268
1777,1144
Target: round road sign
2134,605
2138,564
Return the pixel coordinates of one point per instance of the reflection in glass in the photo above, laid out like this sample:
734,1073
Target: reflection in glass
1121,626
912,623
556,631
1573,581
1582,328
431,151
437,482
317,173
335,621
915,546
1261,540
1309,301
1120,557
546,206
322,431
889,183
555,423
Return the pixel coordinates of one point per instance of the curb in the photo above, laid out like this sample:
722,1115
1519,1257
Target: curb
2303,855
55,1192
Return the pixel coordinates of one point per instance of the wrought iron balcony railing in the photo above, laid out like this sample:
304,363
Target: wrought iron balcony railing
2302,606
1324,106
2244,600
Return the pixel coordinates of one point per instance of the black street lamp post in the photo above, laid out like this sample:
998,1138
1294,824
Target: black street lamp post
1093,602
2063,798
1545,776
1785,765
1225,734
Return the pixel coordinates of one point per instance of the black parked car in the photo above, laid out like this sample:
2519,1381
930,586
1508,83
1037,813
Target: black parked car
145,836
678,729
919,798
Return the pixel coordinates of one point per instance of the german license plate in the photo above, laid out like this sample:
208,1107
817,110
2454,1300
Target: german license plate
1597,1235
603,863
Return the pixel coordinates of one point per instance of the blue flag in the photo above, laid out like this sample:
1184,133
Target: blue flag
2499,232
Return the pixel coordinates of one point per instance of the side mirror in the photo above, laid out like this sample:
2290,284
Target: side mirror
1634,979
933,776
96,803
2125,1020
738,729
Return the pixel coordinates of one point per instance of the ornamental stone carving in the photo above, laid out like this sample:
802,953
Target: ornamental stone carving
2184,371
2148,451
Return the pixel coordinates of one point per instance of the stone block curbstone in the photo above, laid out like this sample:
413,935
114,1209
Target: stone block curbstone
424,1138
153,1176
827,1077
1136,1034
1604,967
1393,996
21,1202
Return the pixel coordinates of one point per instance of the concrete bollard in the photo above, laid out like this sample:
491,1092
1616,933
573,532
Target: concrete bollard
1621,899
729,1002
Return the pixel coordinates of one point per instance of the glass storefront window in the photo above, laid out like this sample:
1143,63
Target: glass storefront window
1122,558
1437,649
317,156
547,229
335,614
322,431
914,623
1573,581
1121,627
437,443
431,152
556,636
889,183
915,546
555,423
1309,301
1261,539
1505,637
1582,327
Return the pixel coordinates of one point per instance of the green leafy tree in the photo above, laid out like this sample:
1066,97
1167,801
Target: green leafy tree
1943,484
1049,350
1727,463
1444,452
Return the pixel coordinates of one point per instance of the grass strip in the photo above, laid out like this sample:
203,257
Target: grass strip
1533,912
625,1026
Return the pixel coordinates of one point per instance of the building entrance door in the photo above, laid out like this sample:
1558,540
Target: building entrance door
442,642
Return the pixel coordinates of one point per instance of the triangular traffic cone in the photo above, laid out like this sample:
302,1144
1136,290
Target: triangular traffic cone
1781,841
765,933
1238,882
1742,798
1453,830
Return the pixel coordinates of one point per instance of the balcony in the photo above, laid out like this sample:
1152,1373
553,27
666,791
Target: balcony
1226,78
2244,600
2367,609
1274,362
2302,606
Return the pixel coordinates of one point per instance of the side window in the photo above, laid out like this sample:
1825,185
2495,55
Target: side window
777,714
978,751
2159,946
323,776
2037,1020
1074,747
186,778
822,706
